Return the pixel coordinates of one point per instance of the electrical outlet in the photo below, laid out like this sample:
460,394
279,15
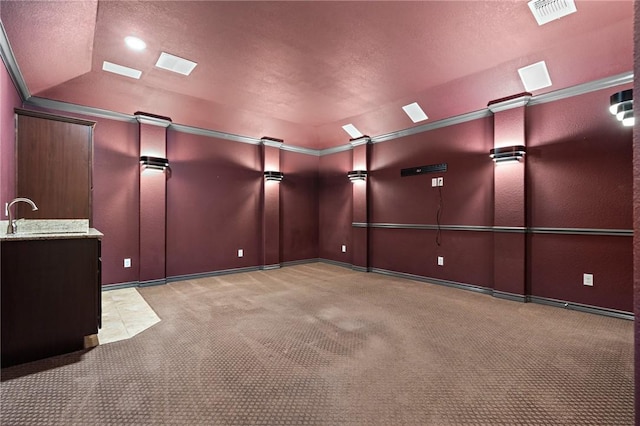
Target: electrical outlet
240,252
434,182
344,248
127,262
440,260
440,181
587,279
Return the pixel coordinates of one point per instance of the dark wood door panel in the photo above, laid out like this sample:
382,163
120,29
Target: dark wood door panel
54,157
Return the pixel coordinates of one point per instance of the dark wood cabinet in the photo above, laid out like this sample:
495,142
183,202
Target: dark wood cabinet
54,165
50,296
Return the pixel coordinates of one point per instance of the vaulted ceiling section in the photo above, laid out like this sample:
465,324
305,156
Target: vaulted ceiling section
301,70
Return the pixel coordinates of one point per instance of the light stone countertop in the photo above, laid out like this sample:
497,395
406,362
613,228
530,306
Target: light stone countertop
49,229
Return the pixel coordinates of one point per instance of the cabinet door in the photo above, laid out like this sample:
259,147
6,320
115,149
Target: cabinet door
54,156
48,297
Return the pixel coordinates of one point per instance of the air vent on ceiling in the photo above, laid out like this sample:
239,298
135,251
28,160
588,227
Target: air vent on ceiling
175,63
352,131
535,76
121,69
414,112
547,10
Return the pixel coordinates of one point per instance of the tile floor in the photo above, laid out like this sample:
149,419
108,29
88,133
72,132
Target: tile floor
125,313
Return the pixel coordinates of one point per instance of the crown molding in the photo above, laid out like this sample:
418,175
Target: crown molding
581,89
214,134
12,66
335,149
301,150
13,69
279,143
35,101
451,121
613,81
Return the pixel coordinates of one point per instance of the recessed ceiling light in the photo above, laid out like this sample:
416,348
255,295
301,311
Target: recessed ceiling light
414,112
352,131
135,43
176,64
122,70
535,76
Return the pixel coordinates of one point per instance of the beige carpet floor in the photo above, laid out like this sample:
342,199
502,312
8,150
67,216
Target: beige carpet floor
317,344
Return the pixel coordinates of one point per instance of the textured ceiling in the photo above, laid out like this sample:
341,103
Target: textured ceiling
298,71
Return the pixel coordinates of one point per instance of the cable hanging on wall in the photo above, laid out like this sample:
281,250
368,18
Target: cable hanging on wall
438,217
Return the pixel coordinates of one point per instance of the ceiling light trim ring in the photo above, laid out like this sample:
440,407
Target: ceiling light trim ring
135,43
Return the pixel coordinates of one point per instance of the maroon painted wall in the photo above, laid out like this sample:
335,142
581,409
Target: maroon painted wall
636,211
579,175
213,204
467,199
9,99
116,205
153,200
335,206
298,206
271,208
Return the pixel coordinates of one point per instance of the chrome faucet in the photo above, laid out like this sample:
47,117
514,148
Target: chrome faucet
13,227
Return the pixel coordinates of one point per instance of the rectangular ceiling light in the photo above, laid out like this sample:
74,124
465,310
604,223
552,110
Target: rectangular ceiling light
548,10
414,112
175,64
535,76
352,131
122,70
